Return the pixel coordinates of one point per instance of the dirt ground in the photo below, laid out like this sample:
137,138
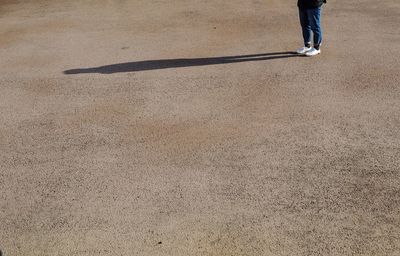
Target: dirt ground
188,127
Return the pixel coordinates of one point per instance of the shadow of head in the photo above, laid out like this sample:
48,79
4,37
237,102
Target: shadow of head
178,63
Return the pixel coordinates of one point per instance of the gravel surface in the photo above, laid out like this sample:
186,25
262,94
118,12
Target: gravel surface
188,127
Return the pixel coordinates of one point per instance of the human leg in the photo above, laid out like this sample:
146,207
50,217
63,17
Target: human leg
305,26
314,19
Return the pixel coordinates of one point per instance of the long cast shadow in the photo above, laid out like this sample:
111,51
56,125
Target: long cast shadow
178,63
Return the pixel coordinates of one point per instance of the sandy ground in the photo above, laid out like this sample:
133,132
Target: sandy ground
188,128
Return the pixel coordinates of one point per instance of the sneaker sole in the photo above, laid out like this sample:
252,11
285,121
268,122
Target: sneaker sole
311,55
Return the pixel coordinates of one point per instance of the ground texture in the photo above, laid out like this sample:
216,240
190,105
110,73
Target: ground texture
143,128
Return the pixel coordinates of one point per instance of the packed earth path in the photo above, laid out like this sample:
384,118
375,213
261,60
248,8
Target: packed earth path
187,127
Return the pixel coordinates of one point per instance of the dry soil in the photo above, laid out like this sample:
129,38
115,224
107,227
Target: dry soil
187,127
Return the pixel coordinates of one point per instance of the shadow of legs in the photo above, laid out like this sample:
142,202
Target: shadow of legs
177,63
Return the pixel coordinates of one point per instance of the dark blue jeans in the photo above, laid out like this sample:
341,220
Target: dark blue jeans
310,20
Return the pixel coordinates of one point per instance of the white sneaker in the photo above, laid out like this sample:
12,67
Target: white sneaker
313,52
303,50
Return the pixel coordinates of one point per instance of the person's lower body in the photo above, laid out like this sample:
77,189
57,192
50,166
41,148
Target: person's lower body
310,21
